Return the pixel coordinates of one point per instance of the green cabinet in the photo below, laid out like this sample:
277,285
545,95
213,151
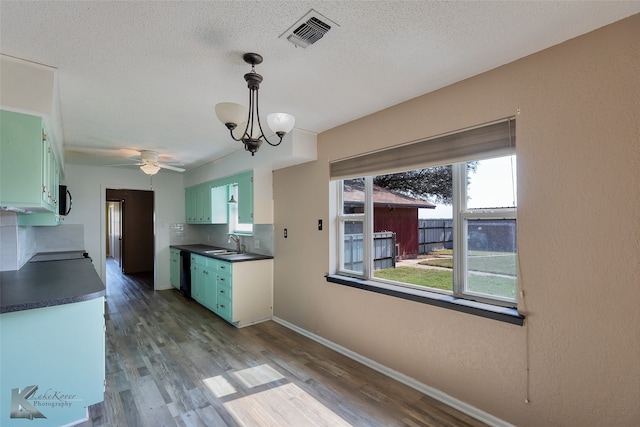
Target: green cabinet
224,291
195,205
241,293
61,350
219,204
206,204
203,204
197,278
197,200
245,197
204,281
190,205
174,268
29,170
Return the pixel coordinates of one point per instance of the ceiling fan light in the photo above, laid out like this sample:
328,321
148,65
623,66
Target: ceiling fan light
281,122
230,112
150,169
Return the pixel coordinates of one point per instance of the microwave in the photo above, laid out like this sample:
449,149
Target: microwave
65,202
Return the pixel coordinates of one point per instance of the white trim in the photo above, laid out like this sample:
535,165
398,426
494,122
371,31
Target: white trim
398,376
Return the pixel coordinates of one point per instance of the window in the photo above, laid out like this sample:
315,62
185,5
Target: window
235,226
381,237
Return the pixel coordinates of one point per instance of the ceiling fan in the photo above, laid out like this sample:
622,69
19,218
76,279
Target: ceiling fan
150,164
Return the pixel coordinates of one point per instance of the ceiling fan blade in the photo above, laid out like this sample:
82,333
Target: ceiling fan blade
172,168
127,164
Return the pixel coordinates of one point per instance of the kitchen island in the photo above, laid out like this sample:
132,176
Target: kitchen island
52,356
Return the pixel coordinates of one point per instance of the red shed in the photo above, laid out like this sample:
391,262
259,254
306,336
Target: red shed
391,212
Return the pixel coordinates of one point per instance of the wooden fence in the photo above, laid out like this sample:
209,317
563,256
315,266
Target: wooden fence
384,251
434,234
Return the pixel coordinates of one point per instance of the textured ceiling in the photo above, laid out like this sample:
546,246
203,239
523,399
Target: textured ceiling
147,75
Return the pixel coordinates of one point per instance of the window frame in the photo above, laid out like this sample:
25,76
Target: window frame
234,225
461,216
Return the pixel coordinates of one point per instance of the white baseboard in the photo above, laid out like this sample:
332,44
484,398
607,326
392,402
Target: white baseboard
398,376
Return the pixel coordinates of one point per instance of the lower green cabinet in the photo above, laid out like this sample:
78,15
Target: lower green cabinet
204,281
174,268
241,293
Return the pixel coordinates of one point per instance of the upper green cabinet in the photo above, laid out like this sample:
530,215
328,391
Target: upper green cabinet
207,203
245,197
219,204
29,170
203,204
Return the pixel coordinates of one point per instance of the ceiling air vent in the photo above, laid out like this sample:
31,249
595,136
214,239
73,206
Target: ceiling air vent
308,30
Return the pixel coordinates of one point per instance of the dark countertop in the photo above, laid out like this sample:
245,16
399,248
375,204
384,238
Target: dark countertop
201,250
50,283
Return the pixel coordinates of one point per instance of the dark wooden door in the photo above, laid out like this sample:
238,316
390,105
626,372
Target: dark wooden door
137,241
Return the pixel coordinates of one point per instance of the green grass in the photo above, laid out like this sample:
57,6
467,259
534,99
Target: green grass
438,262
498,278
493,285
439,279
488,262
440,252
492,262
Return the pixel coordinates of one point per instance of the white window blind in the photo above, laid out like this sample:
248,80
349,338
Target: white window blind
482,142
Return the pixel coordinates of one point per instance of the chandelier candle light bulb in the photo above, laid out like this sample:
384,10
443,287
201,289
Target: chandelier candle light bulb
245,126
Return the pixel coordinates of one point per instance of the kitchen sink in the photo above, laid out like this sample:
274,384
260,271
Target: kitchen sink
221,252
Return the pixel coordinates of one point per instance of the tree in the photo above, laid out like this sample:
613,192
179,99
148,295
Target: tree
431,184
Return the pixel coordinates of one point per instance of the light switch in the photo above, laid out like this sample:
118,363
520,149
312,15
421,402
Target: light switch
319,224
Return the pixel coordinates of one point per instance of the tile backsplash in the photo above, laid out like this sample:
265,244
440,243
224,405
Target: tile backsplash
217,235
8,241
19,244
63,237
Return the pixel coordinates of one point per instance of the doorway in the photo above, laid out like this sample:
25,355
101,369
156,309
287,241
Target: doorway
129,225
114,232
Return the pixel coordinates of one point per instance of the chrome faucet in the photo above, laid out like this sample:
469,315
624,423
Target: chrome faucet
236,239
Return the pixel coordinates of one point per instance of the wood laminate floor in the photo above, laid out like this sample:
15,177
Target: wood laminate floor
172,362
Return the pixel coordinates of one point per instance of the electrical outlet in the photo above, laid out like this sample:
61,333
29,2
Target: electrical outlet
285,233
256,243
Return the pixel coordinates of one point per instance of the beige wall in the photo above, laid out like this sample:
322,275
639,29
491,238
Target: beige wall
578,147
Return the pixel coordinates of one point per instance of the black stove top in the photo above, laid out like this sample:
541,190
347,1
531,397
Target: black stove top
58,256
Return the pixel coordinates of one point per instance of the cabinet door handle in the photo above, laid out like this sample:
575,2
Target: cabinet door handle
221,305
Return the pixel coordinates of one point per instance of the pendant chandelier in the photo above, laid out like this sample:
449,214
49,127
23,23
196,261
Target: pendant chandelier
245,126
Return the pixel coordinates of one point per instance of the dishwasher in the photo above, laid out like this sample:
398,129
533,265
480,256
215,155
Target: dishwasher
185,273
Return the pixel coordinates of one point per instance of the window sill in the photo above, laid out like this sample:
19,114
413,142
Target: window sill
502,314
243,233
